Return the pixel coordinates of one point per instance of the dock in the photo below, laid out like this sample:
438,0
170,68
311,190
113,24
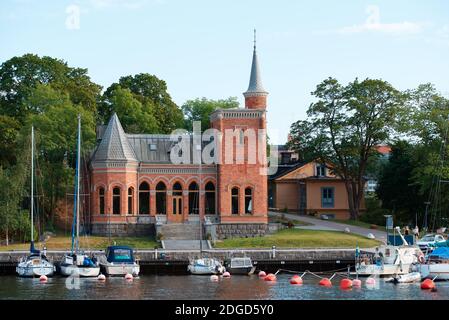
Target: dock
166,262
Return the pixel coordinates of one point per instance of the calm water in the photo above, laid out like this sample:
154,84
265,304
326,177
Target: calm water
201,288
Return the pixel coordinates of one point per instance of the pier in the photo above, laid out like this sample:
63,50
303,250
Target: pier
166,262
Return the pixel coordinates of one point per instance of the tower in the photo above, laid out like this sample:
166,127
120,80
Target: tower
241,179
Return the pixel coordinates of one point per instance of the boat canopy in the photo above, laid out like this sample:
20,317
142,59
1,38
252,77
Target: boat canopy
440,253
440,244
123,254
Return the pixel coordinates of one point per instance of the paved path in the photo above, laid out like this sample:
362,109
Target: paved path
319,224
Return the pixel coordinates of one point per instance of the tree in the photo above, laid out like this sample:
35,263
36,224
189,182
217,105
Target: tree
9,128
397,189
133,116
344,126
201,109
20,75
152,93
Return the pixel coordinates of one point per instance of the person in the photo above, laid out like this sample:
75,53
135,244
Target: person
406,231
378,257
416,233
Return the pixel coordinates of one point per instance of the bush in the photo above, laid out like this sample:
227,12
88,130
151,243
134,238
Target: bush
374,213
159,236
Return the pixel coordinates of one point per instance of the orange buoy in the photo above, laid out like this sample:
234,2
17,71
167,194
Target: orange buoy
296,279
428,284
346,283
270,277
356,283
226,275
325,282
43,278
262,274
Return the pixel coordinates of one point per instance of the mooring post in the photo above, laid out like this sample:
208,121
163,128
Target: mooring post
273,251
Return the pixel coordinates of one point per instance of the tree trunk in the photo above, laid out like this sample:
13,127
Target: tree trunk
353,204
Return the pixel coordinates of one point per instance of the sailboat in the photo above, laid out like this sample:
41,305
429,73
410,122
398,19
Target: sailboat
203,266
35,264
76,262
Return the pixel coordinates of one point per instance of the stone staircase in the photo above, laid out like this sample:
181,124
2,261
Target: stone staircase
180,231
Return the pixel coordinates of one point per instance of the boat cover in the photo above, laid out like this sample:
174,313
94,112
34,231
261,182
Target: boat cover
441,253
123,254
440,244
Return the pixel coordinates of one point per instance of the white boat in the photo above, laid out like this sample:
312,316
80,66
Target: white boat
390,260
205,266
120,261
240,265
76,263
36,264
436,265
406,278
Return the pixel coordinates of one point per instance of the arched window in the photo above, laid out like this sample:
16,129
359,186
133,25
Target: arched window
177,189
248,200
235,193
210,198
130,200
101,198
144,198
116,200
161,198
194,198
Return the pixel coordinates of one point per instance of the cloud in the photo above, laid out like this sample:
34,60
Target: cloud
373,24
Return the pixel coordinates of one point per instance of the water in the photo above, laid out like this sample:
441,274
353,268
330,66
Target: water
201,288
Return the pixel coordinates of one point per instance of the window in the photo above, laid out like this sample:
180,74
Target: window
177,189
235,200
144,198
101,198
327,197
193,198
210,198
130,200
248,200
153,147
161,198
321,170
116,200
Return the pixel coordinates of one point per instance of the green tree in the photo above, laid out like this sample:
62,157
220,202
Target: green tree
152,93
344,126
20,75
133,116
9,128
201,109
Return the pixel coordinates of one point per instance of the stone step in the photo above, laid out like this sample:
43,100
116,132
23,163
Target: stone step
184,244
180,231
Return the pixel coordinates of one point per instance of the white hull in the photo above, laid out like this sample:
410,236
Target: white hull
438,270
69,270
202,270
26,269
121,269
385,270
205,266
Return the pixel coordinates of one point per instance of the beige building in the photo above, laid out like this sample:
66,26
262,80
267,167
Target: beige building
308,188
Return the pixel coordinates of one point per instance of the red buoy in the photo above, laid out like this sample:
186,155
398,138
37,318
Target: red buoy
296,279
262,274
270,277
356,283
325,282
428,284
346,283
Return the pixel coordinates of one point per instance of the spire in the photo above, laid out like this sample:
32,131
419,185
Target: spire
114,145
255,87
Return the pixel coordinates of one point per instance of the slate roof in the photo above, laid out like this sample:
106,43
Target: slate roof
255,81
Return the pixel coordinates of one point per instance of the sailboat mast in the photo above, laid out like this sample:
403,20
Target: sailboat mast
32,184
78,184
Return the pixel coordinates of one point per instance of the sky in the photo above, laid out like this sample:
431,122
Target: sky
203,48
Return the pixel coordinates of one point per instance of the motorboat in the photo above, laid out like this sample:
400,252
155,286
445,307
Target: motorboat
436,265
119,261
390,260
36,263
204,266
76,263
240,265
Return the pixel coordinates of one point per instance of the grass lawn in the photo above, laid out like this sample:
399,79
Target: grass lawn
358,223
89,242
297,238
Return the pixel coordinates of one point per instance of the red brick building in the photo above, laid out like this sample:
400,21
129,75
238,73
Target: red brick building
136,185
